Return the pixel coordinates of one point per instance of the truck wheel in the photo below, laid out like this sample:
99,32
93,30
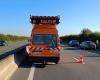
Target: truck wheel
56,62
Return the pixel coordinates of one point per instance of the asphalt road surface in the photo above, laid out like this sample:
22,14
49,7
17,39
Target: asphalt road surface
67,69
11,46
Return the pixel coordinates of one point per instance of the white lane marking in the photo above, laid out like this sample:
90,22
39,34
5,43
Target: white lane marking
31,74
75,58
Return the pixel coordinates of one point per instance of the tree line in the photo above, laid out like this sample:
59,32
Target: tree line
85,34
12,37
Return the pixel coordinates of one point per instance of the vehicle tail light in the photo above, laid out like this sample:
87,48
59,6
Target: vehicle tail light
59,48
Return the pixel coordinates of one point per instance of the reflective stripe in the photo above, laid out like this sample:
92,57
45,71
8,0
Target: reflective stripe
37,48
41,48
34,49
51,49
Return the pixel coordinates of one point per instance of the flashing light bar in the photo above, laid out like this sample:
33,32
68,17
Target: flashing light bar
44,19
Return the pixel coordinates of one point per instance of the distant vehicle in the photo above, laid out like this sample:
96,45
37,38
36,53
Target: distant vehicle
88,45
73,43
3,43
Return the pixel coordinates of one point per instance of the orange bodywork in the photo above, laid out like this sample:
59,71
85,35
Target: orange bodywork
43,51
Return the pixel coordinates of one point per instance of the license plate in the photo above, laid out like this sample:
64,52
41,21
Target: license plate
36,52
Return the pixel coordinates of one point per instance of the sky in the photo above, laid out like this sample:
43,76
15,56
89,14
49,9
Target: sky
74,15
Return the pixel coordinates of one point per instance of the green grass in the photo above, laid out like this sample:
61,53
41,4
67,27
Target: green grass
1,52
12,45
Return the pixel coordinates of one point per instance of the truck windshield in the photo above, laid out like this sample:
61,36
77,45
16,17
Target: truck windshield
49,40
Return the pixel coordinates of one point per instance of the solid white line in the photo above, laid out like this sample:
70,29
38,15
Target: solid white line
31,74
75,58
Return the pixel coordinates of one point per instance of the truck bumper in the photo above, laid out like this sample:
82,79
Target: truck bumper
41,59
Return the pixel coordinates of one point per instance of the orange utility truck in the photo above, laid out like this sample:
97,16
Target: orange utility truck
44,42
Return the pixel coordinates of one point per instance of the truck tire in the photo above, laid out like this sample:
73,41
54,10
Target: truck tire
56,62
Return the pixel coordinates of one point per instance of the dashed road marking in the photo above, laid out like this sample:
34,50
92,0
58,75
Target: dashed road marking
31,74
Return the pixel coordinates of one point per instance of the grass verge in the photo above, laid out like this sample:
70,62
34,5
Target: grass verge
11,45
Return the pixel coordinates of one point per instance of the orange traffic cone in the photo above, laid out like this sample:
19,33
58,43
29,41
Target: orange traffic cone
81,59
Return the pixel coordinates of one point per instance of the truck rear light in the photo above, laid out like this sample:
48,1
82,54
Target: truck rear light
27,49
59,48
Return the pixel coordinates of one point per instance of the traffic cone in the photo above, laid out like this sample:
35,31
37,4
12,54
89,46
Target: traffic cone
81,59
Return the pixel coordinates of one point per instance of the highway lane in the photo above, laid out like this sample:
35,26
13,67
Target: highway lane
22,72
11,46
67,69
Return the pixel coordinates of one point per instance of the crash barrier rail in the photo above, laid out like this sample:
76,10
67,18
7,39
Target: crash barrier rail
10,61
11,52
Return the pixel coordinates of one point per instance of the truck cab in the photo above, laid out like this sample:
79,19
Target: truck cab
44,42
